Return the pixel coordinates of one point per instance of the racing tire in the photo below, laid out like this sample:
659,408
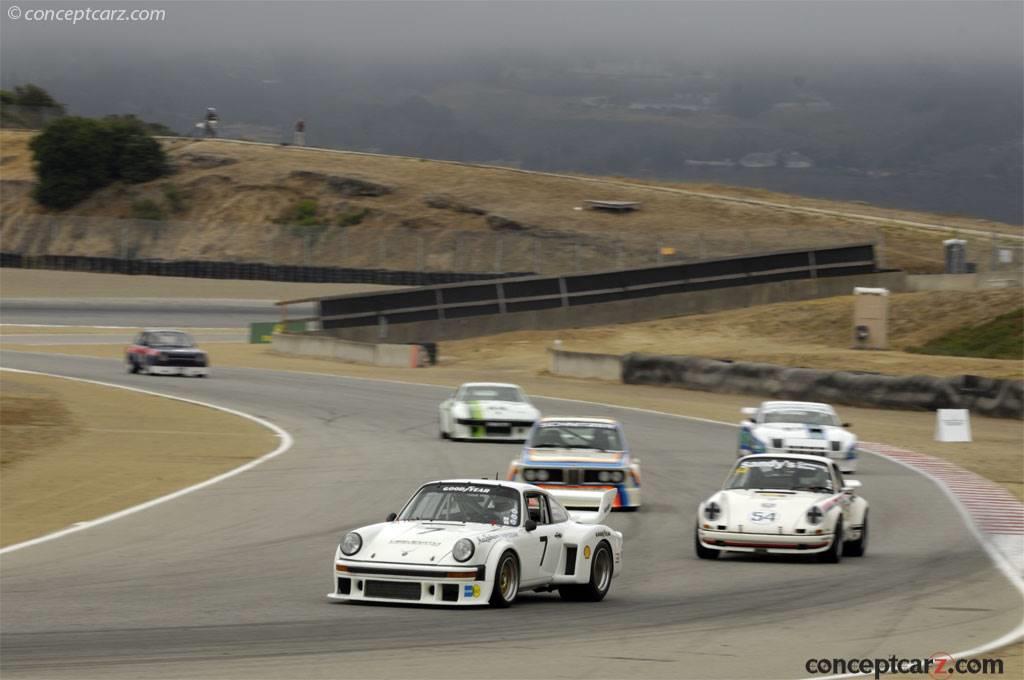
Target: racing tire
602,568
441,433
860,546
506,581
702,552
834,554
131,366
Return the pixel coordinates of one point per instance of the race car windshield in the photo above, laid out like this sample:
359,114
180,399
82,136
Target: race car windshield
801,417
780,474
491,393
169,339
481,504
577,436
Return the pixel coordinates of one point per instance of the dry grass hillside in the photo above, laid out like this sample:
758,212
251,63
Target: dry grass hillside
813,334
229,200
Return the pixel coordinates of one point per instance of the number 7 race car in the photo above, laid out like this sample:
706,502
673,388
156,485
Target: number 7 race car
784,503
474,542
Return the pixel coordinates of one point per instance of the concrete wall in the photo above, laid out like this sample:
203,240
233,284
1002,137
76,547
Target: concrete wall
323,347
585,365
624,311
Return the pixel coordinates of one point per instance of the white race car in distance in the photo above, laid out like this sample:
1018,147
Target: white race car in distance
798,427
487,411
784,503
478,541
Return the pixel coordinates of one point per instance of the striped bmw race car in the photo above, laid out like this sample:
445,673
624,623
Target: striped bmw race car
487,411
573,457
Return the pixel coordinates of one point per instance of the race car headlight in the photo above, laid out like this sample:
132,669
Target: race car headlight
814,515
463,549
604,476
712,510
542,475
351,544
776,443
529,475
616,475
161,357
837,445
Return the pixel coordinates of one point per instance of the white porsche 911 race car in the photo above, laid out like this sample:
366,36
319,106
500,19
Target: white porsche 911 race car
487,411
798,427
784,503
478,541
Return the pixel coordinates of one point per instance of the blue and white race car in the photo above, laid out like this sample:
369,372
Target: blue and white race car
798,427
574,457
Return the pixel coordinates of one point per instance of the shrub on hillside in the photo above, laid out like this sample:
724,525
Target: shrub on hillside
76,156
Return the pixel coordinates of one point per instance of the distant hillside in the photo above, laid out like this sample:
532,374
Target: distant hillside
247,202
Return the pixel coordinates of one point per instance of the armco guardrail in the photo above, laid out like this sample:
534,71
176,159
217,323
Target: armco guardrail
534,293
207,269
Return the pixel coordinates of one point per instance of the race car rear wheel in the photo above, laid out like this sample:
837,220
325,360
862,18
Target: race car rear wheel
602,568
835,551
702,552
859,547
506,581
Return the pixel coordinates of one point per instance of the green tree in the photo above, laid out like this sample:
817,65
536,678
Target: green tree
76,156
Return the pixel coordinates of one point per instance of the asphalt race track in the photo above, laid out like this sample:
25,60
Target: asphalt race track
230,581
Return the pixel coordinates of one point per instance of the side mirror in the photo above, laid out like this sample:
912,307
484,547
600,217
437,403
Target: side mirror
391,517
749,411
847,424
851,485
529,525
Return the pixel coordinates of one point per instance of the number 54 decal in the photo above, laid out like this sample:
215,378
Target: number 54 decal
759,517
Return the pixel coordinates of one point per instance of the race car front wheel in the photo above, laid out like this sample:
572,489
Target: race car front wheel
702,552
859,547
131,366
506,581
835,551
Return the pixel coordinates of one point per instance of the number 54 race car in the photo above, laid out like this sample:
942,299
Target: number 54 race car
474,542
784,503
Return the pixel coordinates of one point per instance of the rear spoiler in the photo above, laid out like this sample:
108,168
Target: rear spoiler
586,507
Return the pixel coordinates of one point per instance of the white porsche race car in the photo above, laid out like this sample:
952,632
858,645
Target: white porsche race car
487,411
478,541
784,503
798,427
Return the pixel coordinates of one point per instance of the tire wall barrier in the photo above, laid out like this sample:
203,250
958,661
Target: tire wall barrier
985,396
260,271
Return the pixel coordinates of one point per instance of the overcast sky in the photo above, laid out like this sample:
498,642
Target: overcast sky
962,30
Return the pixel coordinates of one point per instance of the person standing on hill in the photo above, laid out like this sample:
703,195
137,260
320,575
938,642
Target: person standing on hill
300,133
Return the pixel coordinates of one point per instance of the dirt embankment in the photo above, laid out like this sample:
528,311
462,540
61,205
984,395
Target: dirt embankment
226,201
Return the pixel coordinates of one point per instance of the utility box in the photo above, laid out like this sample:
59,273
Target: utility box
955,255
870,318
